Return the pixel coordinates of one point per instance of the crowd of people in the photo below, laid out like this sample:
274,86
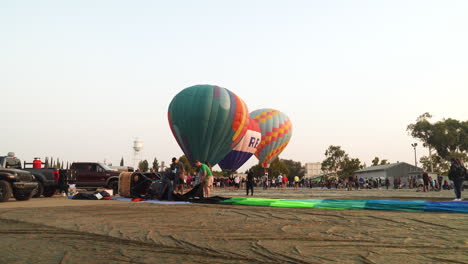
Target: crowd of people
422,183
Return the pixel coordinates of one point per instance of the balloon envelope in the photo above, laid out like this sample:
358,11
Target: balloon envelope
244,150
207,121
276,131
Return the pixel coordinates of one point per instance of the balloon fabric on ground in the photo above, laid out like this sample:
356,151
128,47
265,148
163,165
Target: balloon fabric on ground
207,122
244,150
393,205
276,131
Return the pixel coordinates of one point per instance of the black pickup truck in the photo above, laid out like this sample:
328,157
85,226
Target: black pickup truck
47,178
18,183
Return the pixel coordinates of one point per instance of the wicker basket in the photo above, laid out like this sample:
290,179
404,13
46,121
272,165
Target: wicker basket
125,183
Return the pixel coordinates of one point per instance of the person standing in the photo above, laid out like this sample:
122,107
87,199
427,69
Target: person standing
457,174
265,181
440,181
250,182
173,178
237,182
280,181
387,183
356,183
206,178
296,182
350,182
420,184
177,169
426,182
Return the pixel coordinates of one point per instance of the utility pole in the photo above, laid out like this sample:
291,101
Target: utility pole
414,145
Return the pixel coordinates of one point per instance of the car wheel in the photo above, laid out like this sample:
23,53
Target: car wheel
5,191
114,185
23,196
39,190
49,192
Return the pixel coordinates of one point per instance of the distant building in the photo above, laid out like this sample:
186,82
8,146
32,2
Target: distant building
392,171
313,169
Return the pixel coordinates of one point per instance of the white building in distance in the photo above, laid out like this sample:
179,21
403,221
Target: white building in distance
313,169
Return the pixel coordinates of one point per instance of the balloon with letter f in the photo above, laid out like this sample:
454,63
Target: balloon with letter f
276,131
207,122
244,150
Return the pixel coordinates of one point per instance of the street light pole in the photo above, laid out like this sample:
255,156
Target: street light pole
414,145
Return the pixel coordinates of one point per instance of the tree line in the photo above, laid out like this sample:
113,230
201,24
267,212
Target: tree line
57,163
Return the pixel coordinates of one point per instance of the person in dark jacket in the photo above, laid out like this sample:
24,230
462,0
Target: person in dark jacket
63,183
250,182
426,181
457,174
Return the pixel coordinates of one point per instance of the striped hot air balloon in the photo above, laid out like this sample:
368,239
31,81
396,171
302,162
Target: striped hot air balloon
244,150
276,131
207,121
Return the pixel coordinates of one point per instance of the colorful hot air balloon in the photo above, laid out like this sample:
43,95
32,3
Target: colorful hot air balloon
207,121
244,150
276,131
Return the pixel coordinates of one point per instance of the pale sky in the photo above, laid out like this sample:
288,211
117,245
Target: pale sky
80,80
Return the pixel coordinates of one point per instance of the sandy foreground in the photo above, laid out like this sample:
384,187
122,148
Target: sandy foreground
58,230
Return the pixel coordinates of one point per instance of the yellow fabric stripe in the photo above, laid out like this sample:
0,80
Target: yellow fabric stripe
241,127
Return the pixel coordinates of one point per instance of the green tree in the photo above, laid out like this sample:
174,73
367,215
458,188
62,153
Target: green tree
334,159
337,161
278,167
449,137
295,168
438,164
143,166
122,162
187,166
155,164
349,167
219,173
375,161
384,162
257,170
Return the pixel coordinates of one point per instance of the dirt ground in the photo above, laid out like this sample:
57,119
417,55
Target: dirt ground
58,230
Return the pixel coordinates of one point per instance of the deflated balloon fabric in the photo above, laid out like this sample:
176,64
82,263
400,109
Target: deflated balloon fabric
394,205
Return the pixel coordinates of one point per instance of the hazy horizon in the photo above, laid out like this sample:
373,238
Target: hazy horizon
81,80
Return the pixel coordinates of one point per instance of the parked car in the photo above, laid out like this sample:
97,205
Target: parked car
18,183
47,178
93,175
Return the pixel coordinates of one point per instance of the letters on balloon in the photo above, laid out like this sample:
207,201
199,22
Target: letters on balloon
244,150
